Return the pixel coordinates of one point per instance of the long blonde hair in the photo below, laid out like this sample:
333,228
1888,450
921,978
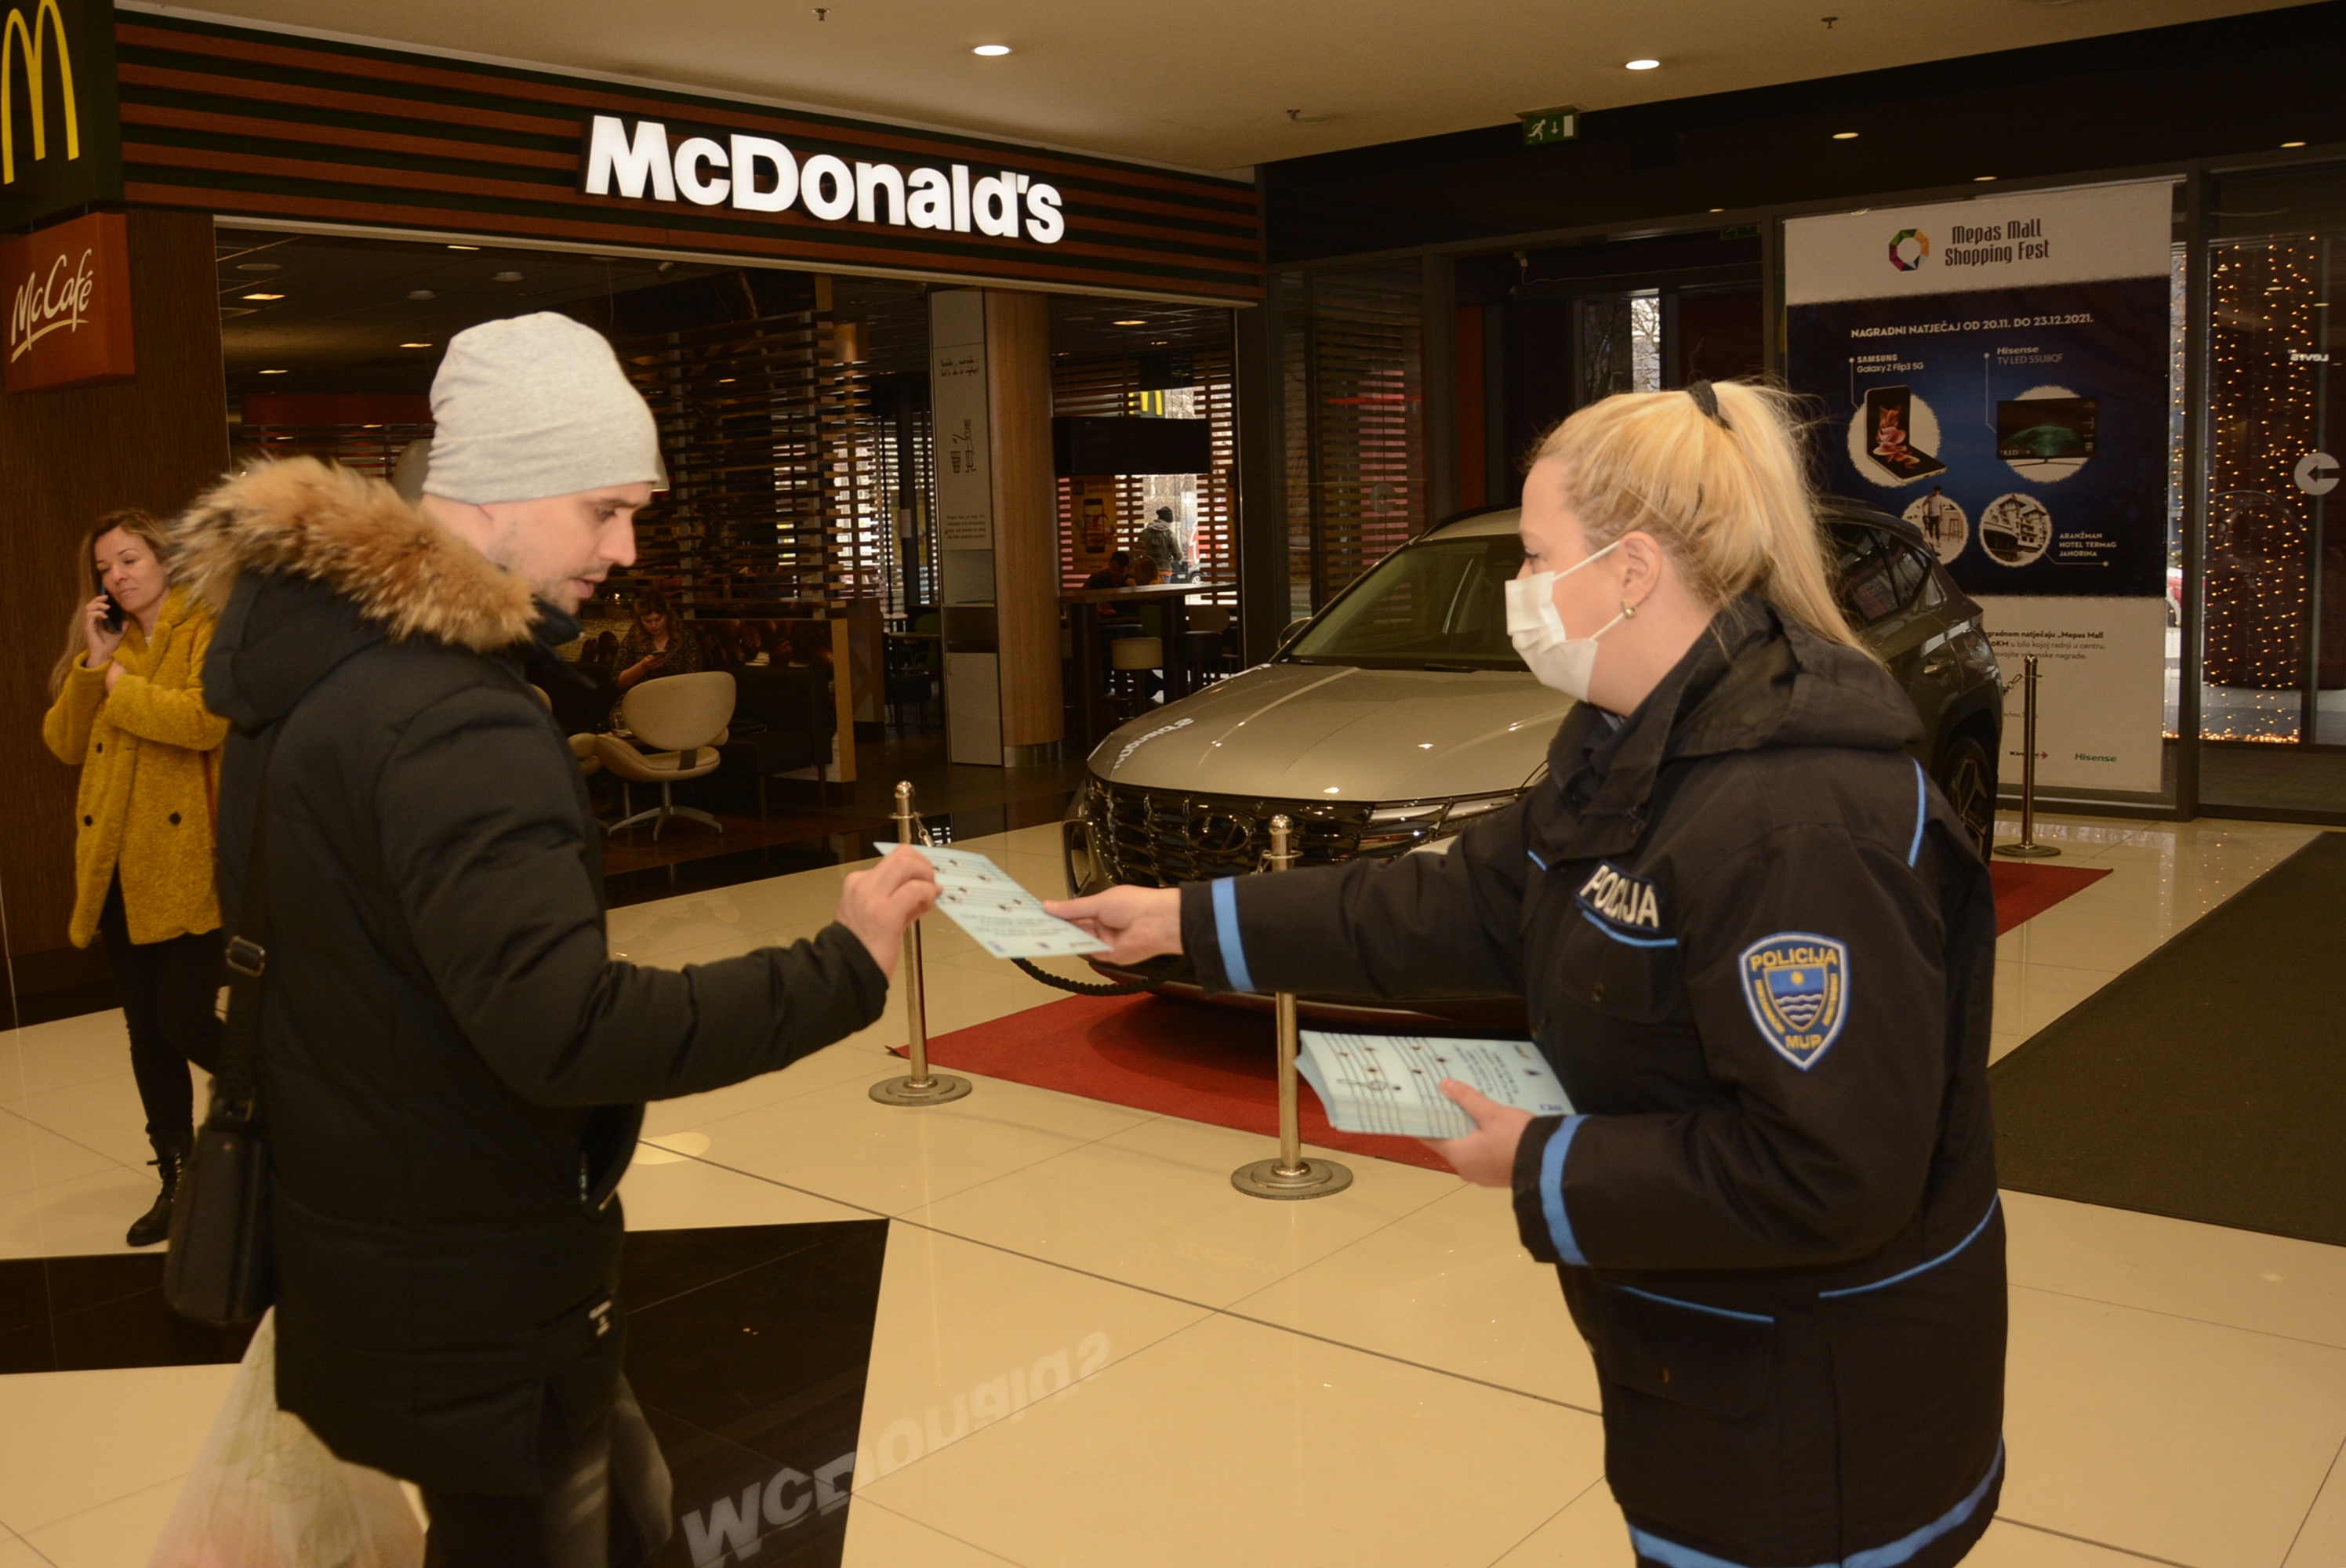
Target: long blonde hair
139,525
1729,498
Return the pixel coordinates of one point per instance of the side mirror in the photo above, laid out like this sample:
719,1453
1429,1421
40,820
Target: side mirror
1287,633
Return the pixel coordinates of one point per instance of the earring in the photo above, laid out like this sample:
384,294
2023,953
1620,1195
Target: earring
1628,610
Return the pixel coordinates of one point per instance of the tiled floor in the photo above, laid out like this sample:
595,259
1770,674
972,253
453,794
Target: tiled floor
1090,1349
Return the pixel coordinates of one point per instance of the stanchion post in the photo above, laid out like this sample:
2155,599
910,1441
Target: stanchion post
1291,1175
919,1086
2027,848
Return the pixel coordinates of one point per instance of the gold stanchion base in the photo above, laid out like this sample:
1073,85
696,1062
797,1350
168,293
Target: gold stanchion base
940,1089
2024,851
1314,1178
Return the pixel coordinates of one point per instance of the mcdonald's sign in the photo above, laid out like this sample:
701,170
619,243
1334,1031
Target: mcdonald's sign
60,130
66,288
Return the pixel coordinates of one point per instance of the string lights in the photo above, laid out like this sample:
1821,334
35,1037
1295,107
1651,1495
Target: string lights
2264,360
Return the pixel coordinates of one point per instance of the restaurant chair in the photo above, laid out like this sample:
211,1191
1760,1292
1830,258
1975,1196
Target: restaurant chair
685,718
1132,663
1204,642
582,746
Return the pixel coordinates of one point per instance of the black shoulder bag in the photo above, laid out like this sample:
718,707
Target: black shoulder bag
219,1269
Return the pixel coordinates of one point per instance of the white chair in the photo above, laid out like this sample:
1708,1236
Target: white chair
582,746
685,715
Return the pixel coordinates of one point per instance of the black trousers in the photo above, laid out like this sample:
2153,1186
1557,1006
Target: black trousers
169,994
605,1504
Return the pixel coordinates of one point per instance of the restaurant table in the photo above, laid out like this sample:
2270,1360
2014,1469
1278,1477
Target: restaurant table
1084,606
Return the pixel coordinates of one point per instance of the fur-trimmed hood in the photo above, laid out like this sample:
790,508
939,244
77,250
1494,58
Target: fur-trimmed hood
311,565
354,536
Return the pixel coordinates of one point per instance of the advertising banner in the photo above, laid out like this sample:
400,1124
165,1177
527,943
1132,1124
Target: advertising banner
1095,525
1995,372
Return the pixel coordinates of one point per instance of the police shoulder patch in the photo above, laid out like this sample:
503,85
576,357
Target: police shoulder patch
1797,985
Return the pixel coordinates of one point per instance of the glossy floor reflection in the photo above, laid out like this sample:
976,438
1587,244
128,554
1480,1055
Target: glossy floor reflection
1084,1348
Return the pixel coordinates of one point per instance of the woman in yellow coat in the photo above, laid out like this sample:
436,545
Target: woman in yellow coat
128,707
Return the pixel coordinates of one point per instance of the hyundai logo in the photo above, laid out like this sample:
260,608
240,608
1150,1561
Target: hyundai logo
1217,832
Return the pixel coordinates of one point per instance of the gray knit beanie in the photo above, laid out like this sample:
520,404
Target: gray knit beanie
533,406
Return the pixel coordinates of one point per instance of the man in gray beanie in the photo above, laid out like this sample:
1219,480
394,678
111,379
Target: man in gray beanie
452,1065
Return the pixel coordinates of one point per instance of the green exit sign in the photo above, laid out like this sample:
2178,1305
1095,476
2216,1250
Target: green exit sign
1544,125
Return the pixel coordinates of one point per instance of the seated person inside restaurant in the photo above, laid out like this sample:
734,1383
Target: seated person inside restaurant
1117,574
659,643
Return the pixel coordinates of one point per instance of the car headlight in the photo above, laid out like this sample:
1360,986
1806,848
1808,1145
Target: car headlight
1423,824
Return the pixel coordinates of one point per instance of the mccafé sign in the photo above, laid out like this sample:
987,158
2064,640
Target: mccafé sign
759,174
60,132
67,290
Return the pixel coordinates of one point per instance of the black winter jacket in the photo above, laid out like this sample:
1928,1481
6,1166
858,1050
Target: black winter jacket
452,1064
1758,949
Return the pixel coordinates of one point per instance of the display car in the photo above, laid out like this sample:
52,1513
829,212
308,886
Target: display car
1400,713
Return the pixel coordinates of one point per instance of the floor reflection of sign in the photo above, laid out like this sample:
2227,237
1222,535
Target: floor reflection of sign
67,290
2317,473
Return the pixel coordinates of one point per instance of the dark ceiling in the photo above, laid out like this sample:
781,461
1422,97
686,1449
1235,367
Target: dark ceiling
364,315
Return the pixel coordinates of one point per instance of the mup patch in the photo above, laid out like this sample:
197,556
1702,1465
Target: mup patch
1796,985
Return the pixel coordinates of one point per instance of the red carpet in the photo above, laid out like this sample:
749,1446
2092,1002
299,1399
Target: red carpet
2024,890
1215,1064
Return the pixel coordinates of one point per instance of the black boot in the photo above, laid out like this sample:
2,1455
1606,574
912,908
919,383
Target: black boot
155,1225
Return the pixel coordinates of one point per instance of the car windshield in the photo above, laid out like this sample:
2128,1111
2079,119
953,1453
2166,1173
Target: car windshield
1438,604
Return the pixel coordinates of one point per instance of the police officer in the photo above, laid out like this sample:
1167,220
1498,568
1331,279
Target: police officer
1758,947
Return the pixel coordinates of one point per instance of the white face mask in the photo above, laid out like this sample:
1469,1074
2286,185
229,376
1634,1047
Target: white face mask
1561,661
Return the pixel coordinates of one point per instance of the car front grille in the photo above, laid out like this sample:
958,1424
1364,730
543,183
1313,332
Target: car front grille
1157,838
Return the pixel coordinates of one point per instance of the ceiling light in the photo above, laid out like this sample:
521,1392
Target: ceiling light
272,372
1644,64
1982,178
991,50
1133,321
264,296
463,248
1158,343
421,294
1844,136
1718,209
414,345
506,278
2292,144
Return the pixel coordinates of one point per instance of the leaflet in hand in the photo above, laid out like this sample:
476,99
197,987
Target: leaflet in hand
1000,916
1392,1083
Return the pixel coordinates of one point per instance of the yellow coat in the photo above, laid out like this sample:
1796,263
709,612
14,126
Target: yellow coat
149,756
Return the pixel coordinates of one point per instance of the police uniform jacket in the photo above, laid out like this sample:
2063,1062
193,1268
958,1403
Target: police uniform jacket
1758,948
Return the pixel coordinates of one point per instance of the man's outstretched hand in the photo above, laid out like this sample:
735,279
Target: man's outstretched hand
877,905
1485,1156
1137,922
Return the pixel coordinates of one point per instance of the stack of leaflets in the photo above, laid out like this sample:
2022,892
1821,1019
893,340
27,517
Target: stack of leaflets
998,914
1391,1082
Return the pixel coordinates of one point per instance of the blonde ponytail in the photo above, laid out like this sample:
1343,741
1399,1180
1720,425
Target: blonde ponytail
1729,498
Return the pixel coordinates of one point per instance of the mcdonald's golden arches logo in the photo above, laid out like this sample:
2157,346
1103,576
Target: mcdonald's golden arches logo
48,27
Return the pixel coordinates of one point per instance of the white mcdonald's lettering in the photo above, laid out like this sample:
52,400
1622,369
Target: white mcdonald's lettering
44,305
764,176
48,17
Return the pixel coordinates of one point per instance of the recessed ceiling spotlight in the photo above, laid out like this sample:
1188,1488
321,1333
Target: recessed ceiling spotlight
272,372
264,296
414,345
1131,321
421,294
1645,65
1982,178
463,248
991,50
1158,343
1844,136
2292,144
506,278
1718,209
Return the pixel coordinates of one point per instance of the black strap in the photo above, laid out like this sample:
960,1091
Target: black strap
1706,398
237,1083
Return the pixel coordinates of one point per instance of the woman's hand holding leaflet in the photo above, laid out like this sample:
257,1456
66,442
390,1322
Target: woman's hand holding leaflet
1485,1156
1138,922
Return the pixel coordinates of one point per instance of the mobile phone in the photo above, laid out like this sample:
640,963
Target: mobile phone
114,618
1889,433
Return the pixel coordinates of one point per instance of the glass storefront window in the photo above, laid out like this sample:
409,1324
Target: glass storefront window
2273,694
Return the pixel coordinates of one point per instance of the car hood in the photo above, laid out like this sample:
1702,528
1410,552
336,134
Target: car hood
1342,733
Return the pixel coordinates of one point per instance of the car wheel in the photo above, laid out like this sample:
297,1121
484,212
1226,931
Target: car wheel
1966,776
